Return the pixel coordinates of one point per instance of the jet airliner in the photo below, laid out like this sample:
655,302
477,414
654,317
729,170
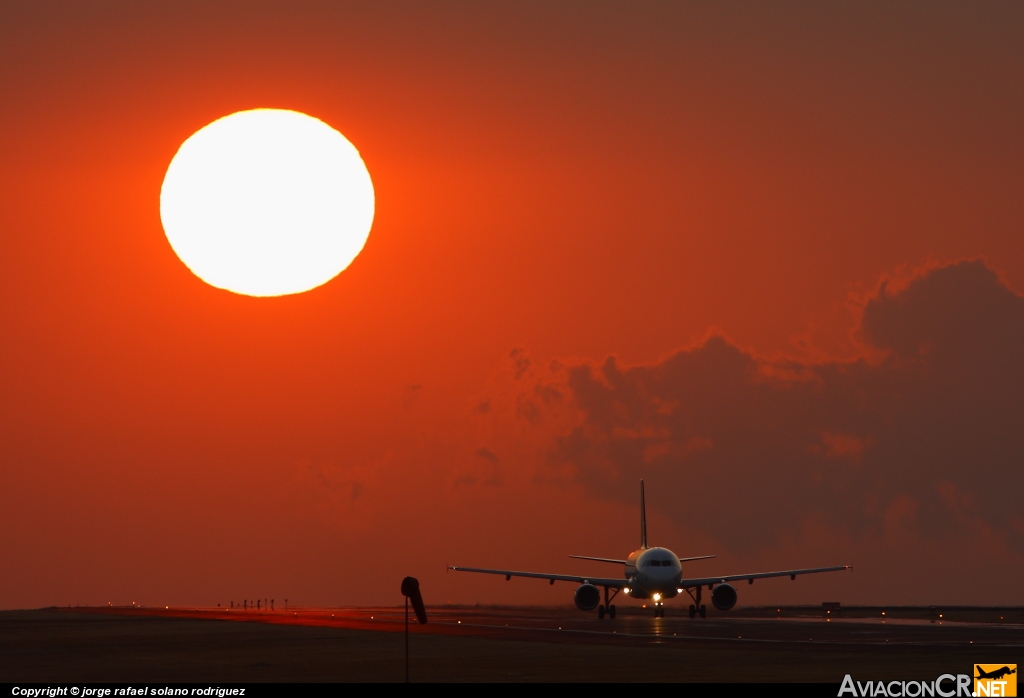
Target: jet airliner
651,573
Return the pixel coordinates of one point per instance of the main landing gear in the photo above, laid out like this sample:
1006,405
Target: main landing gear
607,607
659,610
697,607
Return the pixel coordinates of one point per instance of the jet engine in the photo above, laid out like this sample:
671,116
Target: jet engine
587,597
723,597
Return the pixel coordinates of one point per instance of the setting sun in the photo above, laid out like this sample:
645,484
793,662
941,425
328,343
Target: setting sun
267,202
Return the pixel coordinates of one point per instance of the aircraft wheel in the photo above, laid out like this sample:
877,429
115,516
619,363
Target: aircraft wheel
600,612
693,611
611,611
703,611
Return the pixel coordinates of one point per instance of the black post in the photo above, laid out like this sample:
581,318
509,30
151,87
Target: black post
411,592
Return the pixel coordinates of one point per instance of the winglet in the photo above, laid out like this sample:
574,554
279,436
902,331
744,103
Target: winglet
643,519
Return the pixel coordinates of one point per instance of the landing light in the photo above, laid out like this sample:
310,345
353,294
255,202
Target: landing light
657,597
679,591
626,590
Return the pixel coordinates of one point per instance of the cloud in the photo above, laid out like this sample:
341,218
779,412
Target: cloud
485,471
919,436
521,362
487,454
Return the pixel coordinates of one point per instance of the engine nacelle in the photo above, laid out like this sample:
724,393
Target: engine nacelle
723,597
587,597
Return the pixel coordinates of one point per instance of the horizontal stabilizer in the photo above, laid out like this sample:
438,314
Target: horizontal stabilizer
599,559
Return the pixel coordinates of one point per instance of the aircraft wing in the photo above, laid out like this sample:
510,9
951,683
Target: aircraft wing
759,575
615,583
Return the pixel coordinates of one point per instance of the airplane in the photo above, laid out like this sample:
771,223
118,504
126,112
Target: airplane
996,674
651,573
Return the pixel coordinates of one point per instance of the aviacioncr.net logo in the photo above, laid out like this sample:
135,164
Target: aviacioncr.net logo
946,686
995,680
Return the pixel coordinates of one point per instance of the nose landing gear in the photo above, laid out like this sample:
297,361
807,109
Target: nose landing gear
659,610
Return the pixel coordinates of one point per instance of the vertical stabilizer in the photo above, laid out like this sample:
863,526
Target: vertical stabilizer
643,518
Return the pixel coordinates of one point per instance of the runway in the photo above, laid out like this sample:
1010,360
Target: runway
569,625
560,624
490,644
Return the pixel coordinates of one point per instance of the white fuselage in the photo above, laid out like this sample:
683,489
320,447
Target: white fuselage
653,573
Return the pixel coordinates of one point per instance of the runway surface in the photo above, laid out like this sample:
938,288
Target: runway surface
633,625
490,644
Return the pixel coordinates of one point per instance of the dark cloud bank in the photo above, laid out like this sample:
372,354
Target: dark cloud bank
926,435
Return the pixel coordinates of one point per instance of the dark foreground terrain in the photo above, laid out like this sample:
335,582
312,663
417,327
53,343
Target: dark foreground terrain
499,644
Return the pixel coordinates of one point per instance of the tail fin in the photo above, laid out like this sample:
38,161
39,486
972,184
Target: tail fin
643,518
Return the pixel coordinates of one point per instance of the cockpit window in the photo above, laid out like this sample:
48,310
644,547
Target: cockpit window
654,563
666,563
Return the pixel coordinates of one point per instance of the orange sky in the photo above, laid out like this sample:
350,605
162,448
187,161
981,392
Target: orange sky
556,184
